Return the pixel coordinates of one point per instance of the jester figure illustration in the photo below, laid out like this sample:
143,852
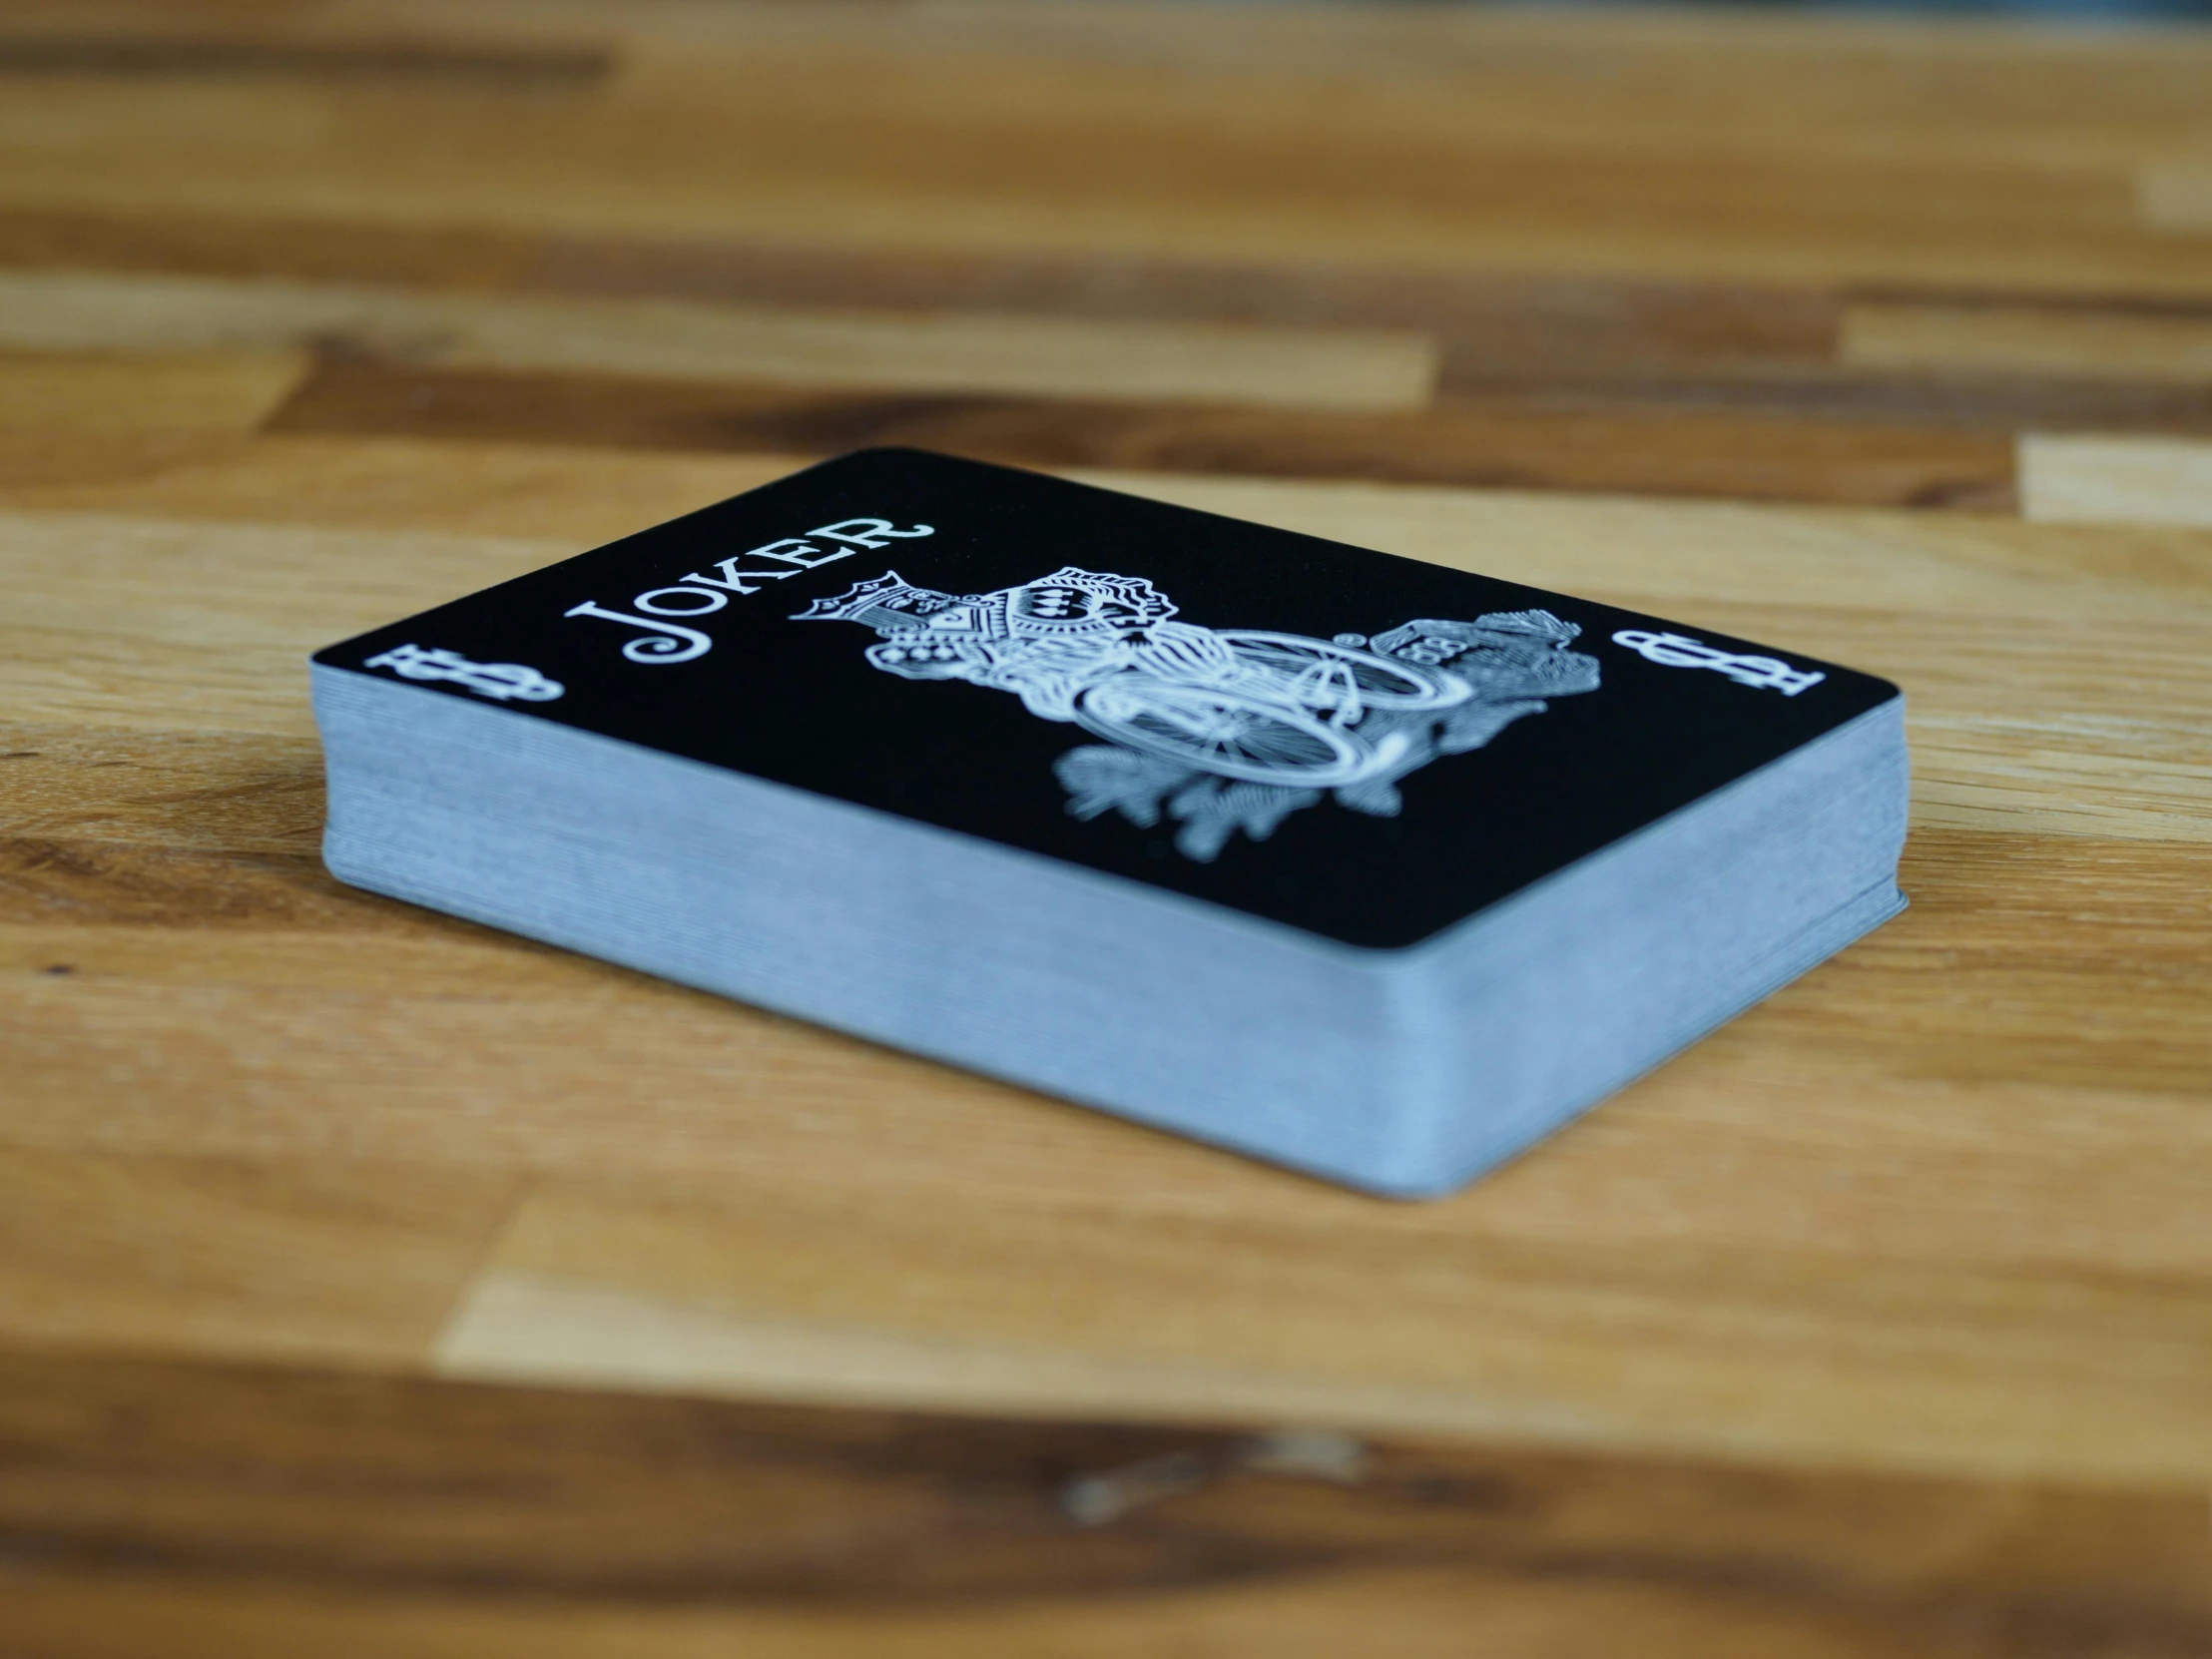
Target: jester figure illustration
1220,729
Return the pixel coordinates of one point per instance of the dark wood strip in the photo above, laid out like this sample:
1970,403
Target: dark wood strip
90,882
404,62
227,1473
1598,326
1929,400
1523,320
223,790
300,249
1579,344
2094,301
1745,457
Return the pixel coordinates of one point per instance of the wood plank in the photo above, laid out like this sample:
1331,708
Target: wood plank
1885,438
107,55
1804,580
2015,725
1062,1308
182,792
247,1510
1484,317
2093,478
1559,338
1546,341
2176,195
174,391
1594,322
2098,345
1343,369
998,148
303,249
2033,1186
102,648
562,496
265,919
1813,83
336,1261
1834,560
1990,402
1743,456
1418,1614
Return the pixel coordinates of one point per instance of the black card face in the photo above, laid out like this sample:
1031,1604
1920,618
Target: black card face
1364,747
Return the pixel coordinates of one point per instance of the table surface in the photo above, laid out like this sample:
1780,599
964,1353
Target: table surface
372,1283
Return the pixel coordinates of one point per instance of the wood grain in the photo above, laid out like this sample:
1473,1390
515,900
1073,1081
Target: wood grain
2177,196
344,1261
2024,339
2088,478
602,1071
1596,321
1484,316
1520,345
1745,457
1343,367
190,58
1466,143
103,646
555,494
314,250
130,586
250,1510
122,392
374,1282
1058,1308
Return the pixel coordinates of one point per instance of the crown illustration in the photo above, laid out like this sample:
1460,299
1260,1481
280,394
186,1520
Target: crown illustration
886,591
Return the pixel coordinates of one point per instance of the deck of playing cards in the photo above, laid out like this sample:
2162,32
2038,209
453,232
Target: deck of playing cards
1360,864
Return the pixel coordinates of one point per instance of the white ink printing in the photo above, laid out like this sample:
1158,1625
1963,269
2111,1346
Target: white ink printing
663,641
1681,651
1225,729
502,681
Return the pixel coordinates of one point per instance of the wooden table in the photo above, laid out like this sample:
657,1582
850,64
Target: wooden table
373,1284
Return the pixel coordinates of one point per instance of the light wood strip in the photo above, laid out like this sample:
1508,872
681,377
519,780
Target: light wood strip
1752,456
530,1327
1833,559
561,496
2177,196
136,615
2028,340
323,1259
2088,478
122,392
1800,1356
1343,369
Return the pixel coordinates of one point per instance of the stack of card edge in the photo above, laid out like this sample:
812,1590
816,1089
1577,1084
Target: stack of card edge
1405,1073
